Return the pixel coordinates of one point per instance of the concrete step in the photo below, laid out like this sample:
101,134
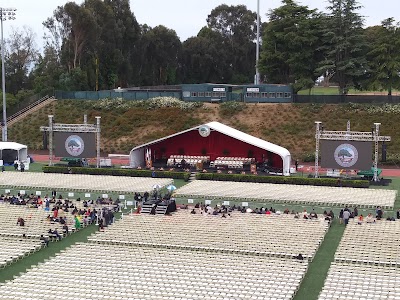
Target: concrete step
29,110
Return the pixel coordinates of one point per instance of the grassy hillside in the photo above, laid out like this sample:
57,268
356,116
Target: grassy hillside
290,125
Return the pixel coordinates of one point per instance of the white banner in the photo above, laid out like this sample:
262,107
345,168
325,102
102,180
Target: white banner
218,89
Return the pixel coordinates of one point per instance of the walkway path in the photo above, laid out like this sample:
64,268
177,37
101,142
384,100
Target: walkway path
318,269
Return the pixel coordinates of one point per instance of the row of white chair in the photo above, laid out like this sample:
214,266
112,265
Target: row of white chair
356,282
148,273
278,236
78,182
372,243
285,193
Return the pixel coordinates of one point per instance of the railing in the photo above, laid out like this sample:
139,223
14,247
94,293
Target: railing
29,107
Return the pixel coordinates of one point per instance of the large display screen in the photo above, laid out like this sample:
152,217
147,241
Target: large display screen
75,144
346,155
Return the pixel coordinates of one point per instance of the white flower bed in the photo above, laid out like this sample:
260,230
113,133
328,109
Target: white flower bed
153,103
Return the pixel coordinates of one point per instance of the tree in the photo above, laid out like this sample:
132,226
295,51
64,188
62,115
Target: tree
383,56
291,45
98,37
126,37
161,51
344,44
203,59
47,71
21,54
237,26
73,26
75,80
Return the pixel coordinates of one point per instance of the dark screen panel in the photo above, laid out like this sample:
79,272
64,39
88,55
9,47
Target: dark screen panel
75,144
346,155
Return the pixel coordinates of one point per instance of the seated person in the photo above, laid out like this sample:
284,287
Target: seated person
65,229
313,215
55,234
370,218
299,257
193,211
360,220
44,240
21,221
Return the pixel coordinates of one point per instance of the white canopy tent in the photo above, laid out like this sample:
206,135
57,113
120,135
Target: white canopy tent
11,151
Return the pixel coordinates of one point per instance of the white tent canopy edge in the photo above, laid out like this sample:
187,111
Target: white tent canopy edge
21,151
136,155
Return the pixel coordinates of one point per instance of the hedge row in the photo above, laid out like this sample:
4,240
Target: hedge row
284,179
117,172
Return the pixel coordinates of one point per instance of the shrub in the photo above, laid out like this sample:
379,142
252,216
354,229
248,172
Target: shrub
116,172
153,103
283,180
229,109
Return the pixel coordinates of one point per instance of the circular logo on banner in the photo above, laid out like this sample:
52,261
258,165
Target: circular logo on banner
74,145
346,155
204,131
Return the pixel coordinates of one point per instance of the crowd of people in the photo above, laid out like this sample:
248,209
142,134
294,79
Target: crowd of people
344,216
63,213
226,210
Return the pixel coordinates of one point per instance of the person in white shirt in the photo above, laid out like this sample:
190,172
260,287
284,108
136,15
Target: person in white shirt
346,216
369,219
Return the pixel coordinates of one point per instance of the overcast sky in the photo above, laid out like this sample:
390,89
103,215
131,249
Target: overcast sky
186,17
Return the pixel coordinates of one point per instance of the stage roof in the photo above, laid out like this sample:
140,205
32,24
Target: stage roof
236,134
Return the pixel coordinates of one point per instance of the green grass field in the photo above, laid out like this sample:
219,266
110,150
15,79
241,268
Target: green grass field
333,90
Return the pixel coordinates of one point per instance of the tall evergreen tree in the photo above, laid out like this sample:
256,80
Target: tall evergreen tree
204,60
344,44
383,56
291,45
237,26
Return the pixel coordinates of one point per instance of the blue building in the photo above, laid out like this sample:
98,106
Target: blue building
267,93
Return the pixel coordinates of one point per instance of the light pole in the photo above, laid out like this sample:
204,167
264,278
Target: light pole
257,76
6,14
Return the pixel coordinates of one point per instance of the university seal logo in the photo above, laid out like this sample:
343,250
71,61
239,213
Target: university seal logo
74,145
204,131
346,155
